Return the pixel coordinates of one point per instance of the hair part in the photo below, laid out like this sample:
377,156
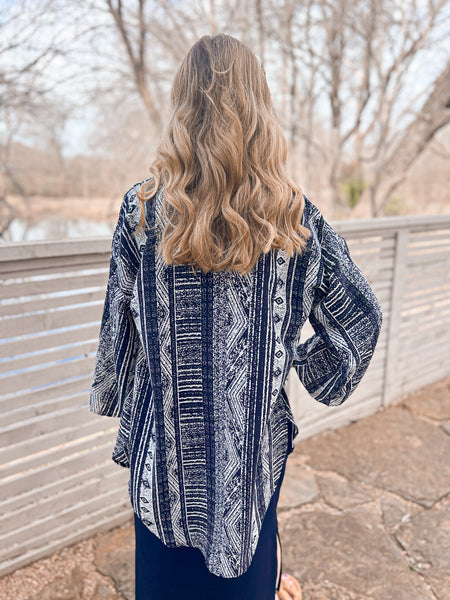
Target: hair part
227,195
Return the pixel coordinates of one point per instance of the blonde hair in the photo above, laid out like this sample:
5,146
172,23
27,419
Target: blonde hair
222,160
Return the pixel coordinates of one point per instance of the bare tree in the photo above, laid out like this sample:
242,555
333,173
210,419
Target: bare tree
21,93
339,71
356,56
392,171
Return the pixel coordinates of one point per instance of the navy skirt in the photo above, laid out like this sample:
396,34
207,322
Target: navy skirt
163,573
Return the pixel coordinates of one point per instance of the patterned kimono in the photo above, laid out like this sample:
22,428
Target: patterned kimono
194,365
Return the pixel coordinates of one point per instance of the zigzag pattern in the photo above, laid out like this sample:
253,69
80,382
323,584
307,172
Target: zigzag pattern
195,367
346,317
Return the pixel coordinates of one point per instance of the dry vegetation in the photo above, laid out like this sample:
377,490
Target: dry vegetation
361,89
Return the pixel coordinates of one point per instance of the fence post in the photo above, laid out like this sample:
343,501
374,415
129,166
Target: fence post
391,379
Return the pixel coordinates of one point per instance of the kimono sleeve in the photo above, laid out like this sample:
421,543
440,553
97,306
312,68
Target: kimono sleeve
346,317
115,360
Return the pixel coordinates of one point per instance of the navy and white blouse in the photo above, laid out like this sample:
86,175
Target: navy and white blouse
194,366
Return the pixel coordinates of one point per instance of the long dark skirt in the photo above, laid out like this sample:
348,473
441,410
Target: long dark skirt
164,573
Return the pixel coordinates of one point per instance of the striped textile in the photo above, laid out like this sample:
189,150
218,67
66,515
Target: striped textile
194,366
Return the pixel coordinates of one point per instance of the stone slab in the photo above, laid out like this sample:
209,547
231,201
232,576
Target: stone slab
395,510
391,449
340,493
346,556
432,401
69,587
446,426
426,539
114,553
298,487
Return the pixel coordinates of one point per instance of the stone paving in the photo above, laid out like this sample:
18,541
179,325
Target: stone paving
364,514
364,511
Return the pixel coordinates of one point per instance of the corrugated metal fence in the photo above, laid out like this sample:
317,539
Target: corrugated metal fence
58,484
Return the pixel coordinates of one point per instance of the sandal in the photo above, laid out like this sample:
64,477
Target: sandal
288,587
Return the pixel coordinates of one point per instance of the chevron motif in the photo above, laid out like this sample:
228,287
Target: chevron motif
195,364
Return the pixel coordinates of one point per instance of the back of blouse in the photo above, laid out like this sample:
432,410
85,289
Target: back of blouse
194,365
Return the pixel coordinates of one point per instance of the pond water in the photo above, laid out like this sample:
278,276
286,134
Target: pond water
55,228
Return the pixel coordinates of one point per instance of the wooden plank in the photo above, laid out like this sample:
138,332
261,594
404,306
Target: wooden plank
59,524
51,473
56,454
19,415
100,521
36,343
417,299
424,258
431,270
15,402
93,472
415,380
424,311
6,278
383,286
55,248
93,429
434,335
83,492
418,239
365,245
333,420
43,424
422,318
33,266
53,355
51,302
395,304
373,265
51,271
441,250
54,373
423,362
428,283
384,226
422,355
65,282
58,319
427,326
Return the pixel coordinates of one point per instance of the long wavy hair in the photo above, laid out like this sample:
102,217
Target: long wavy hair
222,162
